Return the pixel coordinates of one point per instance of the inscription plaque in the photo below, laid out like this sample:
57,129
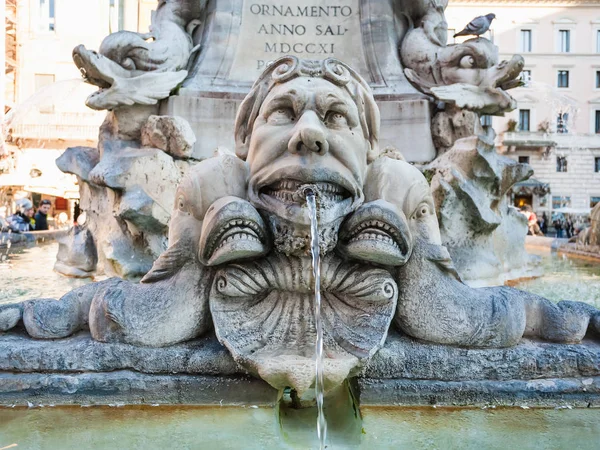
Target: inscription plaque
314,29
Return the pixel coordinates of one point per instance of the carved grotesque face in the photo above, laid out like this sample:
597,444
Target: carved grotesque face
307,133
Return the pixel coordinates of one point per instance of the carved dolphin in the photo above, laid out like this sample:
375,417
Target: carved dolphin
208,181
165,308
433,303
468,74
120,86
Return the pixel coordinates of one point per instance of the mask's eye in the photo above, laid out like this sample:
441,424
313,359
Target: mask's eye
335,119
422,211
467,62
281,116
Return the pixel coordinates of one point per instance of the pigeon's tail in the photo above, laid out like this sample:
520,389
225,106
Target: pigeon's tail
462,33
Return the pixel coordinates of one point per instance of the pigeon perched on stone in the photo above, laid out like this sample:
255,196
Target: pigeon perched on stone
477,26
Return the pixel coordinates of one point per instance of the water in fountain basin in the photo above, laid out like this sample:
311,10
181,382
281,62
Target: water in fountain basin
161,427
26,273
316,263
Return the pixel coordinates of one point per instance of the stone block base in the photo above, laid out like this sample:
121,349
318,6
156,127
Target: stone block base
551,392
78,370
588,252
126,387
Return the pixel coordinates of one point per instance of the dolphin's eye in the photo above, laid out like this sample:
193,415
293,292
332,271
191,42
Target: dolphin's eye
423,210
467,62
181,203
336,119
281,116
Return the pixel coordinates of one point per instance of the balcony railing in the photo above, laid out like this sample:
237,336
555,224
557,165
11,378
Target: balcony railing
529,139
59,126
538,139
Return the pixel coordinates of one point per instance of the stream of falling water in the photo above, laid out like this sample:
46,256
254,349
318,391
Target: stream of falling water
319,366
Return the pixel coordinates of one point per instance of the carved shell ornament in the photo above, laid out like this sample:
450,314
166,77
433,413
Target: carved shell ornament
263,312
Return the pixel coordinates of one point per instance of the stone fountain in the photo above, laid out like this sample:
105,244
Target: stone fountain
226,311
587,242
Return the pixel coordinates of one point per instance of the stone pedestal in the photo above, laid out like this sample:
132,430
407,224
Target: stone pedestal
78,370
240,37
404,122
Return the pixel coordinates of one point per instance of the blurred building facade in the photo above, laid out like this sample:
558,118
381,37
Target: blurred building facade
556,126
44,94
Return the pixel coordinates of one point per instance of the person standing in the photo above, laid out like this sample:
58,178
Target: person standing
544,225
41,217
22,221
558,228
569,228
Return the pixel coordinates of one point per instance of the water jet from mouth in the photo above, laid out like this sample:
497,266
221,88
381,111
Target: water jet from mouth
309,194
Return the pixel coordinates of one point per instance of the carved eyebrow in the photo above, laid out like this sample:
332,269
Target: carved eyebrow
332,102
289,99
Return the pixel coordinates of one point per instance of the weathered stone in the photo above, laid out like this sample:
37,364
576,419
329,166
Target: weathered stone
240,233
171,134
127,210
132,388
138,208
78,161
452,124
77,255
10,316
405,358
79,370
548,393
264,317
80,353
484,235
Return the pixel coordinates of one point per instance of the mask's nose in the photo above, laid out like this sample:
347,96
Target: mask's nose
309,135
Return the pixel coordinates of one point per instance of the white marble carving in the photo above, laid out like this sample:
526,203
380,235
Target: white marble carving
140,69
483,233
468,75
237,257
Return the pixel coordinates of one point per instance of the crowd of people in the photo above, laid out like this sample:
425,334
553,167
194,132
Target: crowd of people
564,227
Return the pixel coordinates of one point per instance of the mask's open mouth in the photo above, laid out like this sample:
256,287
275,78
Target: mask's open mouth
291,191
377,232
232,230
82,58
